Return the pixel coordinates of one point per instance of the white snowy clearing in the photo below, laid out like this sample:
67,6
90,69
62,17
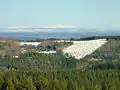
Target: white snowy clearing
30,43
80,49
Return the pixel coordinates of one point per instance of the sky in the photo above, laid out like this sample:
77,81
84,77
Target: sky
78,13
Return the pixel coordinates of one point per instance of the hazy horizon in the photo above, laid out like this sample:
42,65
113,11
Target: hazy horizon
64,18
98,14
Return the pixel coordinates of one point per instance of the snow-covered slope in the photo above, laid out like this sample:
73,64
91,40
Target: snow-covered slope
82,48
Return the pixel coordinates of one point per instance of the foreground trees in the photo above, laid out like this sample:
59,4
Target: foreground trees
60,80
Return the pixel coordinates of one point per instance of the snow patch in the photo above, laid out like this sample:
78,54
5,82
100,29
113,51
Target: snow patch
80,49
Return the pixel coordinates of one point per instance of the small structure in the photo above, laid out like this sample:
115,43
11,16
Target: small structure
15,56
48,52
62,41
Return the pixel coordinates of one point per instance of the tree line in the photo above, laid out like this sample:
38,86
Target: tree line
60,80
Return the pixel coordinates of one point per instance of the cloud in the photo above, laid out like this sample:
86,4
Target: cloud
32,29
58,26
55,26
17,30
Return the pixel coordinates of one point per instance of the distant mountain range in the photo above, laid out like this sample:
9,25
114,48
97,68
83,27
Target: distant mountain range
60,32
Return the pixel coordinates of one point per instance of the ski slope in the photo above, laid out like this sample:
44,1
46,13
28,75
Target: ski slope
80,49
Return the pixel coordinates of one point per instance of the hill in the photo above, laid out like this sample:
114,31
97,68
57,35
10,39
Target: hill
32,60
35,71
9,47
106,57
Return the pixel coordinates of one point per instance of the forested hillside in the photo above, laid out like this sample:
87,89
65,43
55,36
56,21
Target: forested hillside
35,71
106,57
36,61
60,80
